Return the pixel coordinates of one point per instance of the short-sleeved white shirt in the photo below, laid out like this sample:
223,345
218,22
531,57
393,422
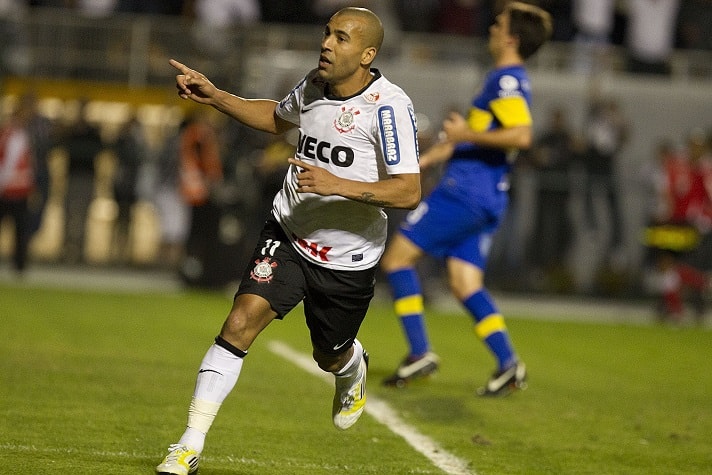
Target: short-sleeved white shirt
364,137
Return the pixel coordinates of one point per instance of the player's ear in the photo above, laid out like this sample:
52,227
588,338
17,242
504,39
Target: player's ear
368,55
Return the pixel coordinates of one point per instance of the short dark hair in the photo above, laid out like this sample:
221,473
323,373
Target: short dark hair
531,25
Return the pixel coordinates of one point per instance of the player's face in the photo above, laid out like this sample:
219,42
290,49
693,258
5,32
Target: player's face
341,49
499,33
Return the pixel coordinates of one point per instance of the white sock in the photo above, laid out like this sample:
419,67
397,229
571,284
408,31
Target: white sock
217,376
352,366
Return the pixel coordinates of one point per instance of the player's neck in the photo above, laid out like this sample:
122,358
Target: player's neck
508,58
352,86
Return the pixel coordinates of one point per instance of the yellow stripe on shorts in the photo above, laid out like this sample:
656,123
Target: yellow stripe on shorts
491,324
410,305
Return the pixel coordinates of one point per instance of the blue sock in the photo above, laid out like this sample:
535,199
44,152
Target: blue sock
490,327
408,305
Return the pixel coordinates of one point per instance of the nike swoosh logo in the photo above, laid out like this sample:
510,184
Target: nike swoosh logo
306,110
337,347
209,371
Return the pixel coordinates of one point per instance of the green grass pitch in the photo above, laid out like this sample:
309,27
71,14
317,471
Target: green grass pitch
99,382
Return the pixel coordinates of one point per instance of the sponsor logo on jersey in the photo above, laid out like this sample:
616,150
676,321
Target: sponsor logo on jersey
310,147
320,252
345,122
263,270
389,134
372,97
508,86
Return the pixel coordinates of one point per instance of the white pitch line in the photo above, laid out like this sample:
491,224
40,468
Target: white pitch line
383,413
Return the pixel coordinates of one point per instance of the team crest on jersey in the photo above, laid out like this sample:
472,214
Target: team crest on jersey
508,86
372,97
263,270
345,122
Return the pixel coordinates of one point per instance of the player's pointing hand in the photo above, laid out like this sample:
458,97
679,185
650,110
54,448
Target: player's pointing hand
312,179
193,85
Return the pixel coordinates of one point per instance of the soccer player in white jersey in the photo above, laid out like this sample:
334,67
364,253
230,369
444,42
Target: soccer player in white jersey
357,154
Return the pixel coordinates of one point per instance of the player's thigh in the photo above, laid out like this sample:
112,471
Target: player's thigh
401,252
336,305
274,272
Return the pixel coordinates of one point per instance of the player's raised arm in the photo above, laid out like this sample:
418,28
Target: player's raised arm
256,113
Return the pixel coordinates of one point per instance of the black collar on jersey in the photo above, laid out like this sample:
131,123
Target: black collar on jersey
376,74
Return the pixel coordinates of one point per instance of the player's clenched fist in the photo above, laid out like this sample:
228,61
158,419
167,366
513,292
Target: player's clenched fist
192,84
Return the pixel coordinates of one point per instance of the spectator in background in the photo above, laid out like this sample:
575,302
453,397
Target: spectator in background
153,7
678,230
461,17
17,177
43,137
699,211
606,131
173,211
201,172
553,153
561,12
15,57
694,20
288,11
83,143
593,22
131,150
95,8
418,16
215,20
650,36
270,170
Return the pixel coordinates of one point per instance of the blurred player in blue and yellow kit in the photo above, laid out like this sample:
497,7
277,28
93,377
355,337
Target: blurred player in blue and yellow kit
457,220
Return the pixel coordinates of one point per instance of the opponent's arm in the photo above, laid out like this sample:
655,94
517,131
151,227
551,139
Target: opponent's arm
457,130
256,113
398,191
437,153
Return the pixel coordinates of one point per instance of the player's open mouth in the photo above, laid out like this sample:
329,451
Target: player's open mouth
323,62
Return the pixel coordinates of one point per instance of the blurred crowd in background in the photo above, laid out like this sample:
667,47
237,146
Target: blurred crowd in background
601,21
192,202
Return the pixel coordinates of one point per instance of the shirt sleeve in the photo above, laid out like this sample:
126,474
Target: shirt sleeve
509,104
397,132
289,108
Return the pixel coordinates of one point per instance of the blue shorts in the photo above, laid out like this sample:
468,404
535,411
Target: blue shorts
444,225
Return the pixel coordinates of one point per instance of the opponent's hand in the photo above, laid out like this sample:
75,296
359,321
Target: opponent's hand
313,179
437,153
192,84
456,128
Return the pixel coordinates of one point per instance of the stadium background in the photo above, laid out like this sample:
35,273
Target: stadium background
120,64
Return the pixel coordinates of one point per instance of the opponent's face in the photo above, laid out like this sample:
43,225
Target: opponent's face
499,34
342,48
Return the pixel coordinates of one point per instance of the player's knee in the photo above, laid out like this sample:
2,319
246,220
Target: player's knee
328,363
391,262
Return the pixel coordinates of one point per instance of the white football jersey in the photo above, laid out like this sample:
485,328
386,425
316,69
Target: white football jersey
364,137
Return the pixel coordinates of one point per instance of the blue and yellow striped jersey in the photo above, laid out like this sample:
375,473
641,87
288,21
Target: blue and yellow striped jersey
503,102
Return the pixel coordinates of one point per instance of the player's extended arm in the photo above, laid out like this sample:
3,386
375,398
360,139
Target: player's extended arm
457,130
256,113
398,191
